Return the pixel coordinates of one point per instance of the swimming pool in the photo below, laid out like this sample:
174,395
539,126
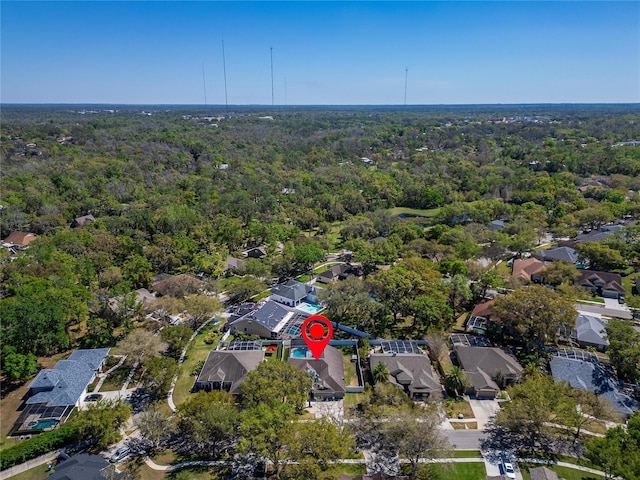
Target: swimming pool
42,424
311,308
299,352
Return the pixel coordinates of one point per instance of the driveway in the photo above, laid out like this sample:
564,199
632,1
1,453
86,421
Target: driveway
484,411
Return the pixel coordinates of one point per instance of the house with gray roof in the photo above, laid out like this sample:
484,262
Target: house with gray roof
488,369
566,254
82,221
590,331
270,320
85,466
543,473
55,392
412,372
291,293
327,373
227,369
594,377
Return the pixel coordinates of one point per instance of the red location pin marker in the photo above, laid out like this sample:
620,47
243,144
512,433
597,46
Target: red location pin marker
317,331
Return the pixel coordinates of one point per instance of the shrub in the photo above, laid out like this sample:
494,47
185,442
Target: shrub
36,446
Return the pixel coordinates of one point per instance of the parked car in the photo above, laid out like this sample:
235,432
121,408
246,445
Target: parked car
94,397
121,453
508,469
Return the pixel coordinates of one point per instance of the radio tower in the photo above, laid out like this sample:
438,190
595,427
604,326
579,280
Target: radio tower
272,97
224,70
406,75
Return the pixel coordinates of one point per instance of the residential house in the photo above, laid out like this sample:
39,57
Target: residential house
593,376
85,466
488,369
528,270
291,293
143,296
256,252
340,271
566,254
232,265
227,369
327,373
412,372
496,225
18,240
480,317
543,473
82,221
55,392
270,320
603,284
590,331
598,235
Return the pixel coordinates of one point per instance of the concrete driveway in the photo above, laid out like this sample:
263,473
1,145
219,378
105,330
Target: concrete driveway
484,411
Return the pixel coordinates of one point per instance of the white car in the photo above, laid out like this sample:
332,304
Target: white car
508,470
121,453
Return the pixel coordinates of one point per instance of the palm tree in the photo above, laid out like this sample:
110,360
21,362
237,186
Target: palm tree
456,381
380,373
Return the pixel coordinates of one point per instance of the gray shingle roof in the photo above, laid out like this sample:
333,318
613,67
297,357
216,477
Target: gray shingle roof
566,254
329,368
543,473
269,315
590,329
229,366
292,290
490,359
410,370
83,466
64,384
593,377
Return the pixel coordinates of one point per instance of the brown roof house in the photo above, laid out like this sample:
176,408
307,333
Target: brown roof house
603,284
412,372
528,270
327,373
488,369
481,314
227,369
18,239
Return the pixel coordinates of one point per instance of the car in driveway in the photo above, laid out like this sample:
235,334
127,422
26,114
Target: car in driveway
94,397
121,453
507,469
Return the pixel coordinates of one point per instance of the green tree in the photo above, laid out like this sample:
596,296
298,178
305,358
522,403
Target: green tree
456,381
348,302
155,427
560,272
535,312
17,366
624,349
176,337
618,453
600,256
380,373
100,423
244,289
140,345
208,422
160,372
275,383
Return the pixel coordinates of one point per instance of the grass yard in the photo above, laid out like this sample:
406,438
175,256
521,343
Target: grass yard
414,211
350,401
467,454
464,425
197,352
456,406
459,471
350,374
9,414
115,380
563,472
35,473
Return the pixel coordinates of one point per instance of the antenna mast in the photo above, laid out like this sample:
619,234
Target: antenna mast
204,85
406,74
272,97
224,70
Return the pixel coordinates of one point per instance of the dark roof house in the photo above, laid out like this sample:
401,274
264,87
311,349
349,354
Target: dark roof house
233,264
412,372
340,272
85,466
82,221
604,284
257,252
486,367
327,373
227,369
566,254
543,473
594,377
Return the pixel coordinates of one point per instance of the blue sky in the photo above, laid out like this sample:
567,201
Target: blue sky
323,52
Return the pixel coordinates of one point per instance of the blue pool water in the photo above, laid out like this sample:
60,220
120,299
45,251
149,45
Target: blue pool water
42,424
311,308
299,352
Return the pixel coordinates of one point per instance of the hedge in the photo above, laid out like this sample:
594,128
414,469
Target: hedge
37,445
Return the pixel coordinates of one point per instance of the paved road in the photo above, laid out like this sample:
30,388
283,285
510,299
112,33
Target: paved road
604,310
465,439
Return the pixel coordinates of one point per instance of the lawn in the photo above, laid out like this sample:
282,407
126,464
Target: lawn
35,473
413,211
464,425
350,374
9,414
459,471
467,454
456,406
196,353
563,472
115,380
